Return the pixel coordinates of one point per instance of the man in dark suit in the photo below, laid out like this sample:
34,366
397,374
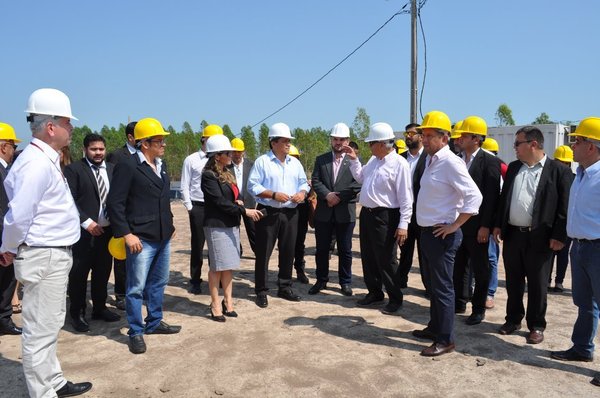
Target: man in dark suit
531,220
415,155
140,211
89,182
337,192
240,167
8,141
119,265
472,255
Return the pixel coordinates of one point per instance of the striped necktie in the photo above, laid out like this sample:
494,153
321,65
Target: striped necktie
102,191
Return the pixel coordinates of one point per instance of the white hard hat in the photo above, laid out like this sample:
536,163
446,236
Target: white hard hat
218,143
340,130
380,132
280,130
49,101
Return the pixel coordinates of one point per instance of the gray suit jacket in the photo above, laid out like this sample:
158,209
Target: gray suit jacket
322,184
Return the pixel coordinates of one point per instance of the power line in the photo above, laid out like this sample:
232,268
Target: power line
402,11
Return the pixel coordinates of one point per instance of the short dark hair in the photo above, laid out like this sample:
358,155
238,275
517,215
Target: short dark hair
129,129
353,145
532,133
411,125
92,137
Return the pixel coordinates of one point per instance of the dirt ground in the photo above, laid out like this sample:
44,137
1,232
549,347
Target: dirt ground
323,346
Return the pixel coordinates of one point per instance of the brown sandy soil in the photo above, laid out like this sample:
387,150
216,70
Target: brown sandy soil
323,346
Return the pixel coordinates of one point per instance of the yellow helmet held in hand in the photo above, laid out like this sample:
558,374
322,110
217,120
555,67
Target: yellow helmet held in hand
564,153
474,125
148,127
238,145
212,129
116,248
436,120
457,130
294,151
401,145
8,133
491,145
588,128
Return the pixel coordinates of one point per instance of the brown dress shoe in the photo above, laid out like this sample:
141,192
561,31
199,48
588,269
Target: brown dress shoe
509,328
535,337
437,349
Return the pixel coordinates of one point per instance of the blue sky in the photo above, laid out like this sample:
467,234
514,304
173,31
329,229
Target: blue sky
237,61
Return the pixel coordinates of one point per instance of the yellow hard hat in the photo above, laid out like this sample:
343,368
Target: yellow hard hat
474,125
116,248
588,128
401,146
148,127
294,151
436,120
490,144
212,129
8,133
457,130
238,145
564,153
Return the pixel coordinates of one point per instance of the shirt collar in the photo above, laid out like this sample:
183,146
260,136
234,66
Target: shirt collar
131,149
157,161
273,157
542,162
202,154
591,170
3,162
47,149
101,166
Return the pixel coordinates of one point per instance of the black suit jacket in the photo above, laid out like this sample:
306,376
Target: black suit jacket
220,210
245,196
322,184
485,171
416,178
549,206
138,201
84,188
118,155
3,199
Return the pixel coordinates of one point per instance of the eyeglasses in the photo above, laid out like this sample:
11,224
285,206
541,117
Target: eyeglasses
158,141
411,133
11,144
226,153
517,143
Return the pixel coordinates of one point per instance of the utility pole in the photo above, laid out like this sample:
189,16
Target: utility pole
413,62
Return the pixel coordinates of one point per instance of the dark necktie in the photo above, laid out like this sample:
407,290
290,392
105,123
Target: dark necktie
102,191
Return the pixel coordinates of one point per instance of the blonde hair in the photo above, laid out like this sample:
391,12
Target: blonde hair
222,174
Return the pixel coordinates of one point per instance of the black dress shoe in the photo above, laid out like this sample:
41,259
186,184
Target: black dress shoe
287,294
369,299
195,289
73,389
137,344
164,328
230,314
426,334
261,300
460,309
301,276
475,318
596,380
392,307
10,328
509,328
570,355
106,315
437,349
120,304
317,287
79,323
347,290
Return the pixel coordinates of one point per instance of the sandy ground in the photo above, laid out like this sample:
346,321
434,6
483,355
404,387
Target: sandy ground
323,346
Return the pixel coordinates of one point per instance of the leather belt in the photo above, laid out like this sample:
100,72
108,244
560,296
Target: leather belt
520,229
197,203
586,240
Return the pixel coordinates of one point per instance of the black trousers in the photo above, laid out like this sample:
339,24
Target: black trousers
301,236
90,253
197,242
377,250
472,258
406,255
8,283
342,233
525,260
281,226
250,232
120,273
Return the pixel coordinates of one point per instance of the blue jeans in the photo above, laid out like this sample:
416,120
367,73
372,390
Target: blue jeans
585,272
493,254
147,276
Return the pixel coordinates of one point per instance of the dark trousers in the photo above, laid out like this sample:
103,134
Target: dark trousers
120,273
562,262
343,235
250,232
90,253
438,258
472,259
407,252
8,283
279,225
378,249
197,242
524,259
301,236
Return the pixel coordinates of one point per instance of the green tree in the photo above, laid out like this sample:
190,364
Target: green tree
504,116
77,136
311,143
263,139
543,118
227,131
187,128
203,124
249,142
360,131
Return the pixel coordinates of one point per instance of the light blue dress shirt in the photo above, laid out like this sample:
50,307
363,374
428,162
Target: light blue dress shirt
583,217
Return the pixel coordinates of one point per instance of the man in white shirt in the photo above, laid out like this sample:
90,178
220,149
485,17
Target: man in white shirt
386,199
193,200
447,199
40,228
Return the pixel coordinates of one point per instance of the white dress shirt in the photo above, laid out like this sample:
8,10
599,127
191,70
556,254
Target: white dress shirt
413,160
385,183
239,175
469,161
523,194
447,189
41,211
191,178
102,220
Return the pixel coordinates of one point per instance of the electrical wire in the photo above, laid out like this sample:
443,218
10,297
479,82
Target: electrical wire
421,4
402,11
